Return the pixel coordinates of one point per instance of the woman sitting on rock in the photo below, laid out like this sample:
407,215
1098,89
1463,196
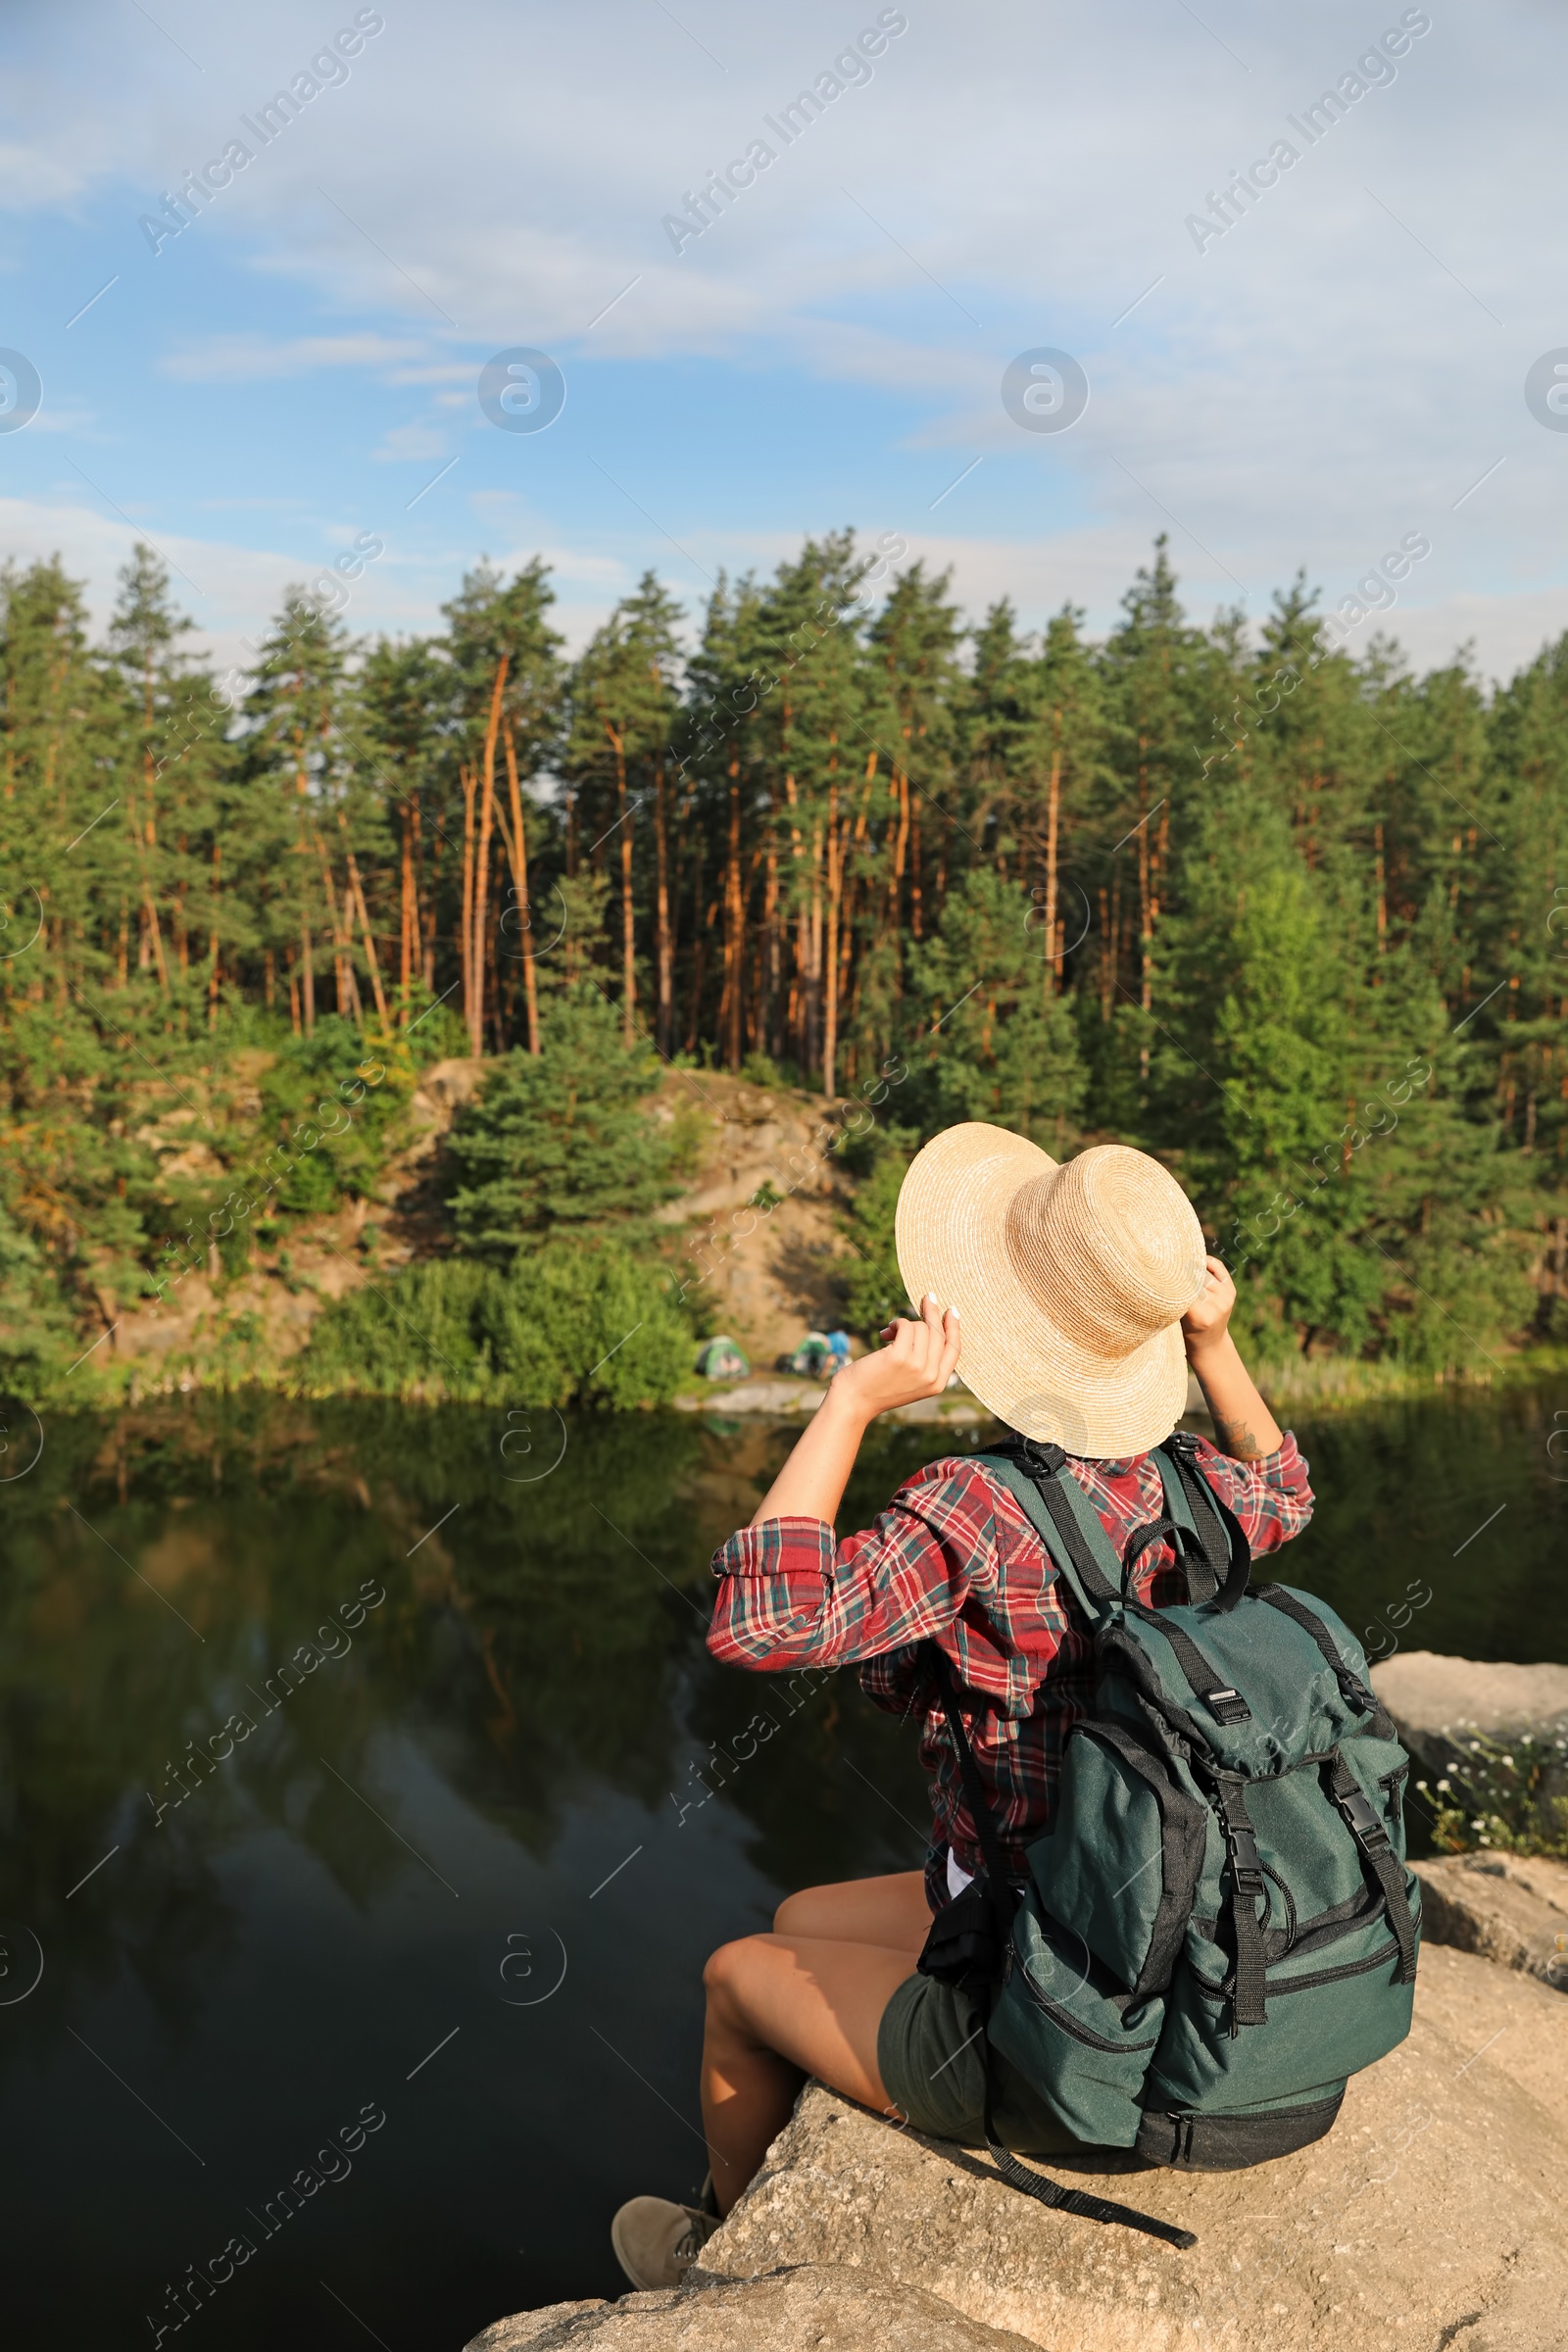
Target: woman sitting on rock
1082,1293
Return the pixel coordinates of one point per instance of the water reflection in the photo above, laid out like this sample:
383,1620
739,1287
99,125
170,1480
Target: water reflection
346,1757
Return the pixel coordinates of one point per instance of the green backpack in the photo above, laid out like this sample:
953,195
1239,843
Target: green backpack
1219,1929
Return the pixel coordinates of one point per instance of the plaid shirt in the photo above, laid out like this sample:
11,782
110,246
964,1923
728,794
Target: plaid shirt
953,1558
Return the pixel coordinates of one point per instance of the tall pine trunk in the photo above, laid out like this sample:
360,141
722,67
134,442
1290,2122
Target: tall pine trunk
466,942
480,920
664,945
519,848
730,1011
830,994
1052,816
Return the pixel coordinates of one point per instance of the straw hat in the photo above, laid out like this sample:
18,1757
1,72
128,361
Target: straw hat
1072,1281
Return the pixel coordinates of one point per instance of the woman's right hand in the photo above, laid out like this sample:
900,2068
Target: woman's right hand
918,1361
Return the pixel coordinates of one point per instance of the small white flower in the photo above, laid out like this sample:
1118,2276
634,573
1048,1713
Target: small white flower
1444,1786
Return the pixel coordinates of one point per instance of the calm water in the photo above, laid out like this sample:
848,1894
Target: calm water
431,1923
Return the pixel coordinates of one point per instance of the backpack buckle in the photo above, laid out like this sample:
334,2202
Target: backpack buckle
1246,1861
1359,1810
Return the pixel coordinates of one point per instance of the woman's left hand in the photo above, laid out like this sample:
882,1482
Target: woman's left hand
1207,1320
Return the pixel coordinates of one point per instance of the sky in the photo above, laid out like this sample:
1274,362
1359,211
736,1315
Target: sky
1336,360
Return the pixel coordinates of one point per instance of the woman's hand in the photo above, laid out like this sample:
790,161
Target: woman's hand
1207,1322
1243,1426
917,1362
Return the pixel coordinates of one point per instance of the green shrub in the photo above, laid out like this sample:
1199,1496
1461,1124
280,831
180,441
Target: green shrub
416,1333
584,1322
561,1139
37,1339
321,1086
577,1321
873,1288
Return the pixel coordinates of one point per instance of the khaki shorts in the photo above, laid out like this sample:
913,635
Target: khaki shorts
928,2053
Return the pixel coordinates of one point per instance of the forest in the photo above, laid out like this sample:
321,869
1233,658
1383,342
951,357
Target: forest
1251,895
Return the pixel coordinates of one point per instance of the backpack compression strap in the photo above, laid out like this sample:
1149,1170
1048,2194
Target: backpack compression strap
1247,2003
1373,1840
1359,1693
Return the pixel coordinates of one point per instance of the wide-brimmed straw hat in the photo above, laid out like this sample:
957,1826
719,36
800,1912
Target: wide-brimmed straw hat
1071,1279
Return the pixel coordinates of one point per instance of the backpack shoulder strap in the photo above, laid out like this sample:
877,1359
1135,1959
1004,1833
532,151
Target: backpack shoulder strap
1062,1516
974,1795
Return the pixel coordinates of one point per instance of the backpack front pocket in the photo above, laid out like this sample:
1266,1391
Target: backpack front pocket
1342,2001
1080,2040
1123,1856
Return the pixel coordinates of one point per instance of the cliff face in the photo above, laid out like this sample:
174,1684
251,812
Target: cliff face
1435,2215
756,1224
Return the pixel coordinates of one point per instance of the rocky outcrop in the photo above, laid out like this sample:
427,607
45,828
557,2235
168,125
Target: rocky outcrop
1512,1908
1435,2215
833,2310
1433,1697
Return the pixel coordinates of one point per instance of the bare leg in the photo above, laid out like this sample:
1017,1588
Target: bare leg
891,1910
780,2008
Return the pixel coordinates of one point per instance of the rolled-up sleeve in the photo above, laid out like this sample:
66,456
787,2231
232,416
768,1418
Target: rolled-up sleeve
789,1595
1271,1498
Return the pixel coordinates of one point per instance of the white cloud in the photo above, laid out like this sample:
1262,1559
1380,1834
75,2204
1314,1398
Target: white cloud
409,441
250,358
1329,374
230,591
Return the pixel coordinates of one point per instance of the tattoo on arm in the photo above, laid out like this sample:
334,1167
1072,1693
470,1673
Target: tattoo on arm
1236,1439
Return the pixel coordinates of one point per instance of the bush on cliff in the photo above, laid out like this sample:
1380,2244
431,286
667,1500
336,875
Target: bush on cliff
561,1139
575,1321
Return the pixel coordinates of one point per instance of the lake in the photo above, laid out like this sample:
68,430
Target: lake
429,1925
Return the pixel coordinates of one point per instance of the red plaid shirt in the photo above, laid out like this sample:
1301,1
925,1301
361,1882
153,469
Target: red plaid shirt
953,1558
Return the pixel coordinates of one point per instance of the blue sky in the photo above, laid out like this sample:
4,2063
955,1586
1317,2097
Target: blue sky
1344,365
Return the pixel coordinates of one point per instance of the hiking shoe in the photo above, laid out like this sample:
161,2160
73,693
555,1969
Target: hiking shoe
657,2241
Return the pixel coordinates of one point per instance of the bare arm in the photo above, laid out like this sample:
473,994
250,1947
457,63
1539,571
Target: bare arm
1243,1426
917,1362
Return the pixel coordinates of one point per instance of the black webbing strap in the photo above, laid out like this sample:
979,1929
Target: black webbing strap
1070,1513
1018,2176
1076,2200
1227,1556
1248,2004
1372,1837
1201,1565
974,1795
1082,1533
1223,1701
1355,1691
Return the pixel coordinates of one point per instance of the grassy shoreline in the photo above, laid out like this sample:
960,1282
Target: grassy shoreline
1320,1386
1337,1384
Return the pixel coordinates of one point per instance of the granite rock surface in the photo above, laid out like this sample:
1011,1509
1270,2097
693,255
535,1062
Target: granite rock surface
1434,2216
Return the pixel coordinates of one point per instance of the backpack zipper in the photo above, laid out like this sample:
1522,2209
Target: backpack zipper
1070,2025
1309,1984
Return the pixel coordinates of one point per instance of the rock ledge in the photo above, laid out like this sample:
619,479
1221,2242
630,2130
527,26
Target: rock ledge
1436,2214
